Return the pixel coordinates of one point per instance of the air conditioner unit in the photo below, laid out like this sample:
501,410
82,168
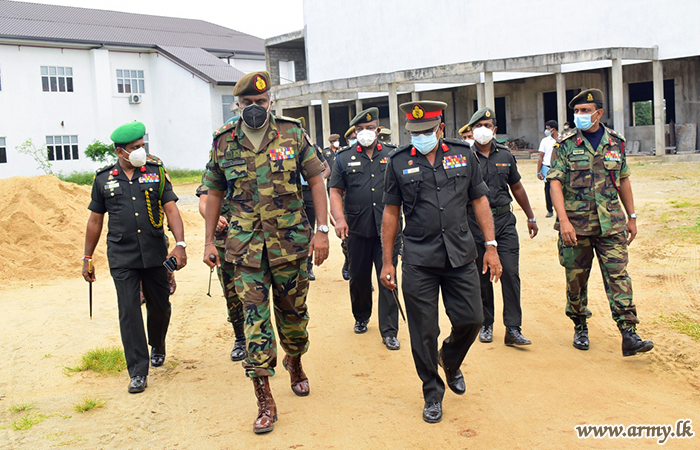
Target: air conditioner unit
134,99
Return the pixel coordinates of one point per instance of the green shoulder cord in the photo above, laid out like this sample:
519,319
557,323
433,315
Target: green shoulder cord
161,189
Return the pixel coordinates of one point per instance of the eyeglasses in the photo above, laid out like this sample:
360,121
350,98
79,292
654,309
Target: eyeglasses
425,132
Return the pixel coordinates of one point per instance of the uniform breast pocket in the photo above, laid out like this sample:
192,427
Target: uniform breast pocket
580,174
612,165
114,199
285,176
237,183
152,189
457,180
503,174
411,186
355,176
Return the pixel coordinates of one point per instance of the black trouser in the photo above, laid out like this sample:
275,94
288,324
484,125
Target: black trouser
509,254
548,197
156,292
310,213
460,294
362,253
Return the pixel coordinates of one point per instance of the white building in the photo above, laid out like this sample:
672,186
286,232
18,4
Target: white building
524,59
69,76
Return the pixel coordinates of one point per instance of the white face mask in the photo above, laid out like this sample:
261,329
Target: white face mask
483,135
137,157
547,133
469,141
336,144
366,137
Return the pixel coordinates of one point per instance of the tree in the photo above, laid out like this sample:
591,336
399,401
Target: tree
40,155
100,152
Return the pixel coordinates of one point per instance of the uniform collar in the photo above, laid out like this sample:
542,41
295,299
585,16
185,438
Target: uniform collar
239,135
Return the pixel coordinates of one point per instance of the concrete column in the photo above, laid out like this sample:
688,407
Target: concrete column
489,99
415,96
618,99
358,107
561,99
480,96
659,129
325,117
312,122
394,113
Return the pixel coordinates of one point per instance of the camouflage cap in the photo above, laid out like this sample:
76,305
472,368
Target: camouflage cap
587,96
129,132
253,83
366,115
422,115
333,137
483,113
350,131
465,129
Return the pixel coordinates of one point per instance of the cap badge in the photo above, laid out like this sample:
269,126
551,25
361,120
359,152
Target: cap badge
369,116
418,112
589,97
260,84
488,114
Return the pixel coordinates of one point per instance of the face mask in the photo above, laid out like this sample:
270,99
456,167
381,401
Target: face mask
366,137
483,135
424,143
469,141
547,133
583,121
255,116
336,144
566,128
352,142
137,157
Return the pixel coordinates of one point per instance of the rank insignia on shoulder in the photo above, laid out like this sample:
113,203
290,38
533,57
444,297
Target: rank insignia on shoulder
454,161
411,170
149,178
278,154
612,155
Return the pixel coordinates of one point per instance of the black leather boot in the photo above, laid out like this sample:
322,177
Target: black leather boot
239,352
633,344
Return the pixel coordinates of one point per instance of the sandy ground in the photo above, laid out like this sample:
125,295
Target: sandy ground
364,396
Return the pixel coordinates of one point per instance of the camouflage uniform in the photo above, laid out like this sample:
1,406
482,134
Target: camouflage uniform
590,182
269,233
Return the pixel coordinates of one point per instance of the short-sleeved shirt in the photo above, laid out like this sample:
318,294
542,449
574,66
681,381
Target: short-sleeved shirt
264,191
590,180
500,171
546,146
362,180
434,200
133,242
319,154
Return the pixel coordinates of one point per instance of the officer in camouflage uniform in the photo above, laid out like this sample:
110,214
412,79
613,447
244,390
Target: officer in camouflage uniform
590,183
257,161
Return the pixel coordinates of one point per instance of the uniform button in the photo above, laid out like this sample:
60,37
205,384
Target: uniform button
133,198
374,204
150,189
138,231
438,188
372,189
112,194
434,169
443,230
442,208
372,175
131,182
136,214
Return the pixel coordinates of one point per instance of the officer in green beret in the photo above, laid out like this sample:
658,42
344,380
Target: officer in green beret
356,183
433,179
258,161
500,172
137,194
590,184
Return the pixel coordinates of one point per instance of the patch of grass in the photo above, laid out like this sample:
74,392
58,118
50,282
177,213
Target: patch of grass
89,403
62,439
105,361
185,176
47,355
81,178
23,407
683,323
28,421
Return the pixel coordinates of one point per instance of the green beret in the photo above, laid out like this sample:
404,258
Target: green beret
587,96
465,129
422,115
253,83
365,116
350,131
129,132
483,113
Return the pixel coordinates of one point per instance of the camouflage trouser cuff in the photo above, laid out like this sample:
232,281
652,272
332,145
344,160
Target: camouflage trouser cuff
257,373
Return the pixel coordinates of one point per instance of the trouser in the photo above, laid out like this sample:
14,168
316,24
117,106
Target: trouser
612,259
226,273
310,213
156,292
460,294
289,283
364,252
509,254
548,197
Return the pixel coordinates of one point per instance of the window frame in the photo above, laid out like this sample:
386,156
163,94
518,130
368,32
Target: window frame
3,149
136,77
68,151
57,79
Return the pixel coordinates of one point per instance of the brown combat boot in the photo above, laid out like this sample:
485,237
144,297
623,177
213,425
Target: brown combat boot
300,383
267,410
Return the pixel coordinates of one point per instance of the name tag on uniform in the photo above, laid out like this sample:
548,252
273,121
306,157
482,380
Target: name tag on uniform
149,178
411,170
232,162
612,155
454,161
278,154
578,151
354,163
113,184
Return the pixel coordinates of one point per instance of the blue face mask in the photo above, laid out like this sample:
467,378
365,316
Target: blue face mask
352,142
424,143
583,121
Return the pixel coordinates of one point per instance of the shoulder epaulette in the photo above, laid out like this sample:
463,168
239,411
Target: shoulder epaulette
502,146
401,149
453,141
288,119
344,149
153,159
615,133
226,127
103,168
568,134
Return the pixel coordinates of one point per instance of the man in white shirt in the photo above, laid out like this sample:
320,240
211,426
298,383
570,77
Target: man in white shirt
551,136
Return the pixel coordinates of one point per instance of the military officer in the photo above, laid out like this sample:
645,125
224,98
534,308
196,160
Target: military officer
590,184
351,139
330,151
385,136
467,134
500,172
225,273
137,194
434,178
257,161
351,136
356,204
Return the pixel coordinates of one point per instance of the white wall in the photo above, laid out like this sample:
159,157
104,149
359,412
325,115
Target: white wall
393,35
248,65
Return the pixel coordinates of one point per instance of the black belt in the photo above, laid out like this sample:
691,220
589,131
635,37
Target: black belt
497,211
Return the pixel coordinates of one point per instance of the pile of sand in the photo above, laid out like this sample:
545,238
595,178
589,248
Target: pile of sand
42,228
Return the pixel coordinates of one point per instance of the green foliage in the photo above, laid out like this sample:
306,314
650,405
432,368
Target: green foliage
105,361
89,403
185,176
40,155
28,421
643,113
81,178
683,323
22,407
100,152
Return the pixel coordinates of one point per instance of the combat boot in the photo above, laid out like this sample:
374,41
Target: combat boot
239,352
267,410
581,341
300,383
633,344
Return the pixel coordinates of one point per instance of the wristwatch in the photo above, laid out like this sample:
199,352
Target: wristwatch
323,229
633,216
182,244
533,220
493,243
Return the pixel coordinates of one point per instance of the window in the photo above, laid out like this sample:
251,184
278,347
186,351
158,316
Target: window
56,79
62,147
550,106
0,78
228,103
642,106
287,74
3,151
130,82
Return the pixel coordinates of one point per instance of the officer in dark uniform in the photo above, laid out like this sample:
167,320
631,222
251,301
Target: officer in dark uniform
330,151
500,172
357,182
433,179
137,194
